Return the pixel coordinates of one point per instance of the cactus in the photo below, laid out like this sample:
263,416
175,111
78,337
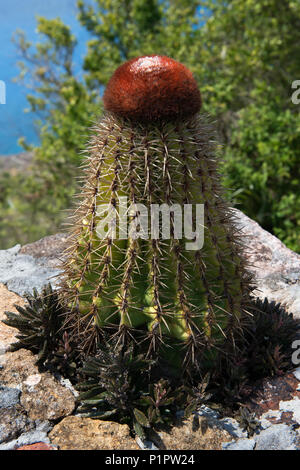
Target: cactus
154,146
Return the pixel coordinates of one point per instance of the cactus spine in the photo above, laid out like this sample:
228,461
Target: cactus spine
154,147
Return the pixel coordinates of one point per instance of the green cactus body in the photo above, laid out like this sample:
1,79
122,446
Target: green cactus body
190,300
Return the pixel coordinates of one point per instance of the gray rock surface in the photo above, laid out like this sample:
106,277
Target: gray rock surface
271,436
145,445
31,401
297,373
276,267
293,407
21,273
38,434
13,422
277,437
241,444
9,397
230,425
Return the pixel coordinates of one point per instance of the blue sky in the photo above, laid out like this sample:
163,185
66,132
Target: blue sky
21,14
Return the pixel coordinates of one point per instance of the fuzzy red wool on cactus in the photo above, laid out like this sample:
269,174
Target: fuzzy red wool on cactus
152,87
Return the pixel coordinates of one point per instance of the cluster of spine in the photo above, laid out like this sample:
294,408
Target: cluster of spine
186,303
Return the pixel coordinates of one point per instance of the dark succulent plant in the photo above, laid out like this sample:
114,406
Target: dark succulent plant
263,349
40,324
64,358
269,336
198,395
113,377
247,420
119,384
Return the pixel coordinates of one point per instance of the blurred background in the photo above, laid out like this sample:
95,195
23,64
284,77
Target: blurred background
57,56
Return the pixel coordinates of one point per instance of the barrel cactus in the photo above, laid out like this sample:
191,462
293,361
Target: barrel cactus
179,296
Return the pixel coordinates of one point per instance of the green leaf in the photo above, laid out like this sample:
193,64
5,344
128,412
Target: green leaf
139,430
141,418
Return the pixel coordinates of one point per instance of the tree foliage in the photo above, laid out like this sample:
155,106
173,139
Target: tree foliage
251,62
244,54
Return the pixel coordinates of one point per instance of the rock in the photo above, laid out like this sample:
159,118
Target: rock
13,422
241,444
232,427
296,373
276,268
51,247
37,446
9,397
42,397
7,301
77,433
194,433
145,445
17,367
48,400
271,396
273,437
67,384
228,424
37,434
21,273
276,437
293,407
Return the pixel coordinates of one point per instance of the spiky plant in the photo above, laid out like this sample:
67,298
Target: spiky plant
268,339
247,420
40,324
118,385
153,146
264,350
